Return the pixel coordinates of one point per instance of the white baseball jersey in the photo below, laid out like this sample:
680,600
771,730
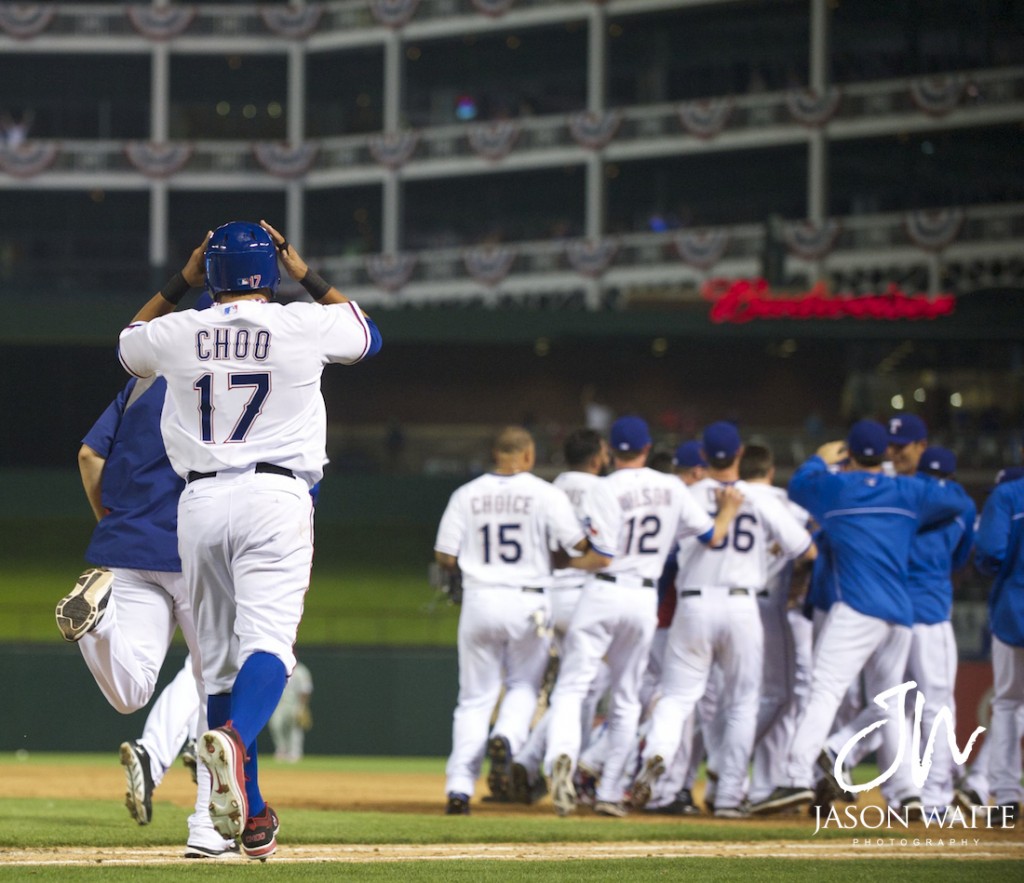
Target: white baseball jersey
576,486
742,558
637,514
500,528
243,381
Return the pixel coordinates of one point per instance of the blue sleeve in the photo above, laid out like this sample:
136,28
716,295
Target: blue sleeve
993,537
806,485
962,552
101,437
375,339
940,501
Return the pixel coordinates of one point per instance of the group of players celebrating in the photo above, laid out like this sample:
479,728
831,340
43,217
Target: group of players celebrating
702,615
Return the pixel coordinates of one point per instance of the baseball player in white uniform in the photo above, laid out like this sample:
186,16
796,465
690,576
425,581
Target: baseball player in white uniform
244,424
718,621
497,531
587,458
636,514
778,681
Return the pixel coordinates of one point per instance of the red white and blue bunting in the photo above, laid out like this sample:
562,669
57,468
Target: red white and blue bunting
284,160
295,21
934,229
594,130
811,108
937,95
493,8
393,13
494,140
28,159
811,240
160,22
706,118
390,271
24,20
591,257
158,160
394,149
489,263
702,248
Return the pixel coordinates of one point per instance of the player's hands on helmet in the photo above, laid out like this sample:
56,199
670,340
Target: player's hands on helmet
194,270
295,266
833,452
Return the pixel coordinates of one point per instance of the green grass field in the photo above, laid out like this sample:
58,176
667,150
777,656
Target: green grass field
49,838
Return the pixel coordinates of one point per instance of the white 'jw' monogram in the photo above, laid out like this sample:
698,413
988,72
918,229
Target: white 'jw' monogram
918,768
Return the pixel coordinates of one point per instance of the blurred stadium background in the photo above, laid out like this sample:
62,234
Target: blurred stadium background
530,196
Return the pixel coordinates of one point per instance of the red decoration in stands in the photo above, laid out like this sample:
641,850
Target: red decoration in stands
743,300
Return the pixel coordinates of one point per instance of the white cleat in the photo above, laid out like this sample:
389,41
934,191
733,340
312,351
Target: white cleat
222,751
563,792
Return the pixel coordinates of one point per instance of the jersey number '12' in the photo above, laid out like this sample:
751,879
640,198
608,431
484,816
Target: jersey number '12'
258,381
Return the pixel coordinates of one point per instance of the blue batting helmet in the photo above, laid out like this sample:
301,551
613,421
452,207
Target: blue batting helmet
241,257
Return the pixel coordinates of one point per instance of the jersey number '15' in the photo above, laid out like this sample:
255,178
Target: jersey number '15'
509,549
258,381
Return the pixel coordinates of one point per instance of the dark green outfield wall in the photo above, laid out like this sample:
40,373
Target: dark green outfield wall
345,499
366,701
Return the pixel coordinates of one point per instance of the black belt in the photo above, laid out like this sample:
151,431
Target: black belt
260,467
537,589
609,578
691,593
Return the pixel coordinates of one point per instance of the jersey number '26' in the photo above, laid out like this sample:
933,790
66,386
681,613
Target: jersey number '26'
259,382
509,548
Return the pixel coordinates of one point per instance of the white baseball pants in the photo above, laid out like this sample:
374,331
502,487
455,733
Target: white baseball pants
499,645
1004,734
246,546
127,648
847,642
617,623
722,626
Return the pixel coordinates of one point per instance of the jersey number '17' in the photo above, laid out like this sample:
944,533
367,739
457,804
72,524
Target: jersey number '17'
258,381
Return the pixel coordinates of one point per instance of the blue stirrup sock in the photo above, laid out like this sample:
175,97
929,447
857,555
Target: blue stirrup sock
256,693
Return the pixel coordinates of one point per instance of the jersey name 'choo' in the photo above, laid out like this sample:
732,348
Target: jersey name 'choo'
645,496
232,343
503,504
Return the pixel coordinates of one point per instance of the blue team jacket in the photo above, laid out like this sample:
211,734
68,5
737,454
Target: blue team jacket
934,554
140,490
870,520
999,551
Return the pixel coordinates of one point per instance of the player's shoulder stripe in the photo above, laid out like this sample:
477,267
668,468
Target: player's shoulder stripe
361,319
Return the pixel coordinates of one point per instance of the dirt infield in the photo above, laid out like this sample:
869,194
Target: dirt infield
422,793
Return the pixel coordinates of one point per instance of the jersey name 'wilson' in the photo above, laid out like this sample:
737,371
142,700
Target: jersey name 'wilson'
645,496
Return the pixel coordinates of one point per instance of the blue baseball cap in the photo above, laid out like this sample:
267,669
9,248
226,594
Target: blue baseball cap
721,441
688,455
937,461
867,438
906,428
630,434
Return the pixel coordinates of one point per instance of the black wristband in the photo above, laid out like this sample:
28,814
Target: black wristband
315,284
175,289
